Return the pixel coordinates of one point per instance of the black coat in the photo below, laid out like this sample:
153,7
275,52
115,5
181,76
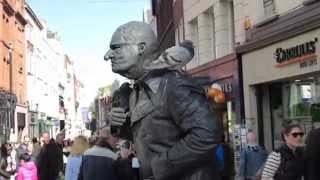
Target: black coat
312,154
292,165
174,129
228,171
49,162
124,169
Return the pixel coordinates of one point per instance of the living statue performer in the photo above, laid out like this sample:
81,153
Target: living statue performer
174,130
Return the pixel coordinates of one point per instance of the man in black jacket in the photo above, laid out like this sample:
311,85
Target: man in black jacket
174,129
49,161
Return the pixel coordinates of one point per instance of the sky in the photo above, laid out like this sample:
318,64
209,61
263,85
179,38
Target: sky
85,28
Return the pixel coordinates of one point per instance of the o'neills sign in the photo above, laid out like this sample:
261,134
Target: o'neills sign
296,54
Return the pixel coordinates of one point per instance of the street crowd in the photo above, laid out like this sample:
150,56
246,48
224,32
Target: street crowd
97,157
105,157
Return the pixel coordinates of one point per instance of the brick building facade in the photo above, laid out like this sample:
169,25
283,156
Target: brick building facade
12,69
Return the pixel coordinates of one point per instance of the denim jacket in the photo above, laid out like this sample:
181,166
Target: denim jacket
73,167
251,159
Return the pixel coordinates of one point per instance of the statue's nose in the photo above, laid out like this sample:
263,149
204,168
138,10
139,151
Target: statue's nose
109,55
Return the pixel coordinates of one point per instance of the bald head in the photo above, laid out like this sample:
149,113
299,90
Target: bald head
134,32
251,138
133,45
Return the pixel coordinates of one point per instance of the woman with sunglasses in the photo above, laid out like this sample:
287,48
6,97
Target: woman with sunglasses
286,162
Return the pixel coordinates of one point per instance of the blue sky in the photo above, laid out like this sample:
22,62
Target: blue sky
85,28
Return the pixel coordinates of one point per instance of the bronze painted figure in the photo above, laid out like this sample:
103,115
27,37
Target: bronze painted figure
173,127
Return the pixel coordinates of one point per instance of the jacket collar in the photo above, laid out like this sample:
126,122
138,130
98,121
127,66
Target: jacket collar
150,80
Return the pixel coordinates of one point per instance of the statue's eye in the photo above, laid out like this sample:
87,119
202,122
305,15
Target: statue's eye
115,46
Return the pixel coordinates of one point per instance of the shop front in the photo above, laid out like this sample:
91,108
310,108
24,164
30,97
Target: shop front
7,109
281,80
224,73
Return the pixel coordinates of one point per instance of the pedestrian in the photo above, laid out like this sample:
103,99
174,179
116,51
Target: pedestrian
35,148
228,170
60,143
252,158
23,148
312,155
66,152
67,147
48,161
286,162
27,169
123,164
135,166
79,146
6,162
92,141
98,162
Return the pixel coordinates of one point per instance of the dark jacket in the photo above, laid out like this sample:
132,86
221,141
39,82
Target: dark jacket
48,162
124,169
228,172
98,164
174,129
60,157
312,155
292,165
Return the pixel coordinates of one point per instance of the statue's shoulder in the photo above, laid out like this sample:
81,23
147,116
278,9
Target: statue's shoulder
177,80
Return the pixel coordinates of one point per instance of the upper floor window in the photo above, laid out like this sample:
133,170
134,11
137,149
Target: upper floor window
269,7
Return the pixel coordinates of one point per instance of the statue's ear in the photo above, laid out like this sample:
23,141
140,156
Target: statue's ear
141,48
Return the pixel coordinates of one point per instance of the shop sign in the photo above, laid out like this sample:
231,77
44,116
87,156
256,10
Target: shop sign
226,87
308,63
297,54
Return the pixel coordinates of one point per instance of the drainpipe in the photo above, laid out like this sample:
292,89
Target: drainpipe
10,62
10,59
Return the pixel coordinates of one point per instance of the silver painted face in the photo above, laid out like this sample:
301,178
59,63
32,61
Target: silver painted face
123,56
130,48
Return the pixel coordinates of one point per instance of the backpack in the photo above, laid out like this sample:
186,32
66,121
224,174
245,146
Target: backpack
219,156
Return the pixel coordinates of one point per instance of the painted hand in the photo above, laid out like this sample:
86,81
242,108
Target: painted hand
118,116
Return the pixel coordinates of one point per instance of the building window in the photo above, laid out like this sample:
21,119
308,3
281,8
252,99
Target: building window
21,70
195,39
269,7
299,100
21,121
210,16
294,101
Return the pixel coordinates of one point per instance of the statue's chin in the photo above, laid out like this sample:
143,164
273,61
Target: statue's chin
124,73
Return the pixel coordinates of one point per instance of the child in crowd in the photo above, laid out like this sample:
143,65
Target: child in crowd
27,169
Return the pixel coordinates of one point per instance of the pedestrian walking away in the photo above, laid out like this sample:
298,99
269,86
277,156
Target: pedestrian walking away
79,146
98,161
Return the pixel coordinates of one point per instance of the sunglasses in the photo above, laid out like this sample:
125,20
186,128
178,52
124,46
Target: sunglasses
296,134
